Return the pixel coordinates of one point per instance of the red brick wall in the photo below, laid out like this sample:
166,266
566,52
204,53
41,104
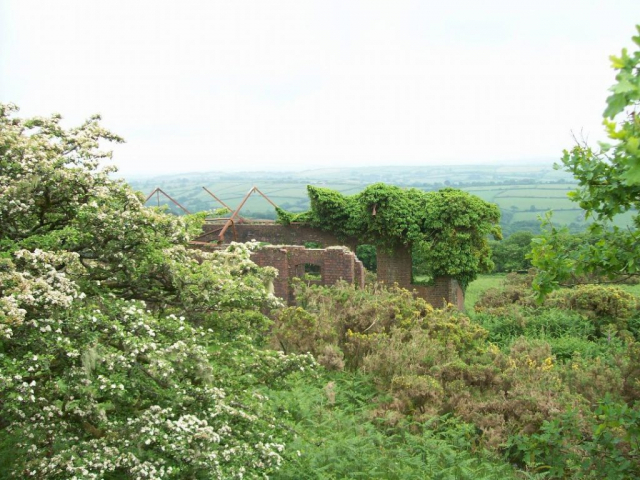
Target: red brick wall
336,263
446,290
275,234
395,267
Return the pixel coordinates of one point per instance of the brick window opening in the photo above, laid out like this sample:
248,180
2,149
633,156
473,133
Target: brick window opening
309,272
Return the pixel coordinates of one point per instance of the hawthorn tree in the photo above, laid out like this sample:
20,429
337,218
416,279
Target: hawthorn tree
123,354
609,184
447,230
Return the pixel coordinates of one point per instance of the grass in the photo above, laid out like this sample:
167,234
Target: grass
632,289
478,286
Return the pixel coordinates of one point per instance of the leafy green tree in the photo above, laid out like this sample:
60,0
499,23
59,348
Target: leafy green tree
367,254
123,354
609,184
447,229
510,254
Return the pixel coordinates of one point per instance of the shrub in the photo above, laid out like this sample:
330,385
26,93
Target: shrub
354,319
586,311
571,446
510,254
341,436
603,304
516,292
123,354
593,377
432,362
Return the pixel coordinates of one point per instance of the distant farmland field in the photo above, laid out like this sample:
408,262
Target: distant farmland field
522,193
287,196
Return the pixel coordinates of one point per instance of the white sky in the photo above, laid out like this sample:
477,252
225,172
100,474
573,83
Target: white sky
248,85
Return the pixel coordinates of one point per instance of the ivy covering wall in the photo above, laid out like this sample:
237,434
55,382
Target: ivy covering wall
449,229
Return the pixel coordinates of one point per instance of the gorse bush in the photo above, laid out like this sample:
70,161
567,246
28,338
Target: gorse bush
606,446
123,354
604,304
340,436
353,319
515,291
606,308
547,323
429,361
508,376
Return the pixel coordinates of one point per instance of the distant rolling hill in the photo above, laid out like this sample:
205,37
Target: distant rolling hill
522,192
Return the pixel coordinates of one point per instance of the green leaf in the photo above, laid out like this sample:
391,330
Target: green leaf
632,176
616,62
71,405
625,86
616,103
605,147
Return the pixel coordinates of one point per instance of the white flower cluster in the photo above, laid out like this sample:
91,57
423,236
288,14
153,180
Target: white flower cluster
36,285
159,444
94,382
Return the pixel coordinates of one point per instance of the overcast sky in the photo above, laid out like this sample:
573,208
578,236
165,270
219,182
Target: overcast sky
237,85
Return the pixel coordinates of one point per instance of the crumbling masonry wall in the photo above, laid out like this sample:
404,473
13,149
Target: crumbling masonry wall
275,234
336,263
396,266
393,266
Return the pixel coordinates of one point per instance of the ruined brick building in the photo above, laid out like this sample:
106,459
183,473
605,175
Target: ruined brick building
334,261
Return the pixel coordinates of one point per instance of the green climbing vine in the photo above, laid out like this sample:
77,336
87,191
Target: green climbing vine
448,229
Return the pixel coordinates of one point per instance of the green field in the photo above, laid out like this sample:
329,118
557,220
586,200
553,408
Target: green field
496,280
523,193
479,286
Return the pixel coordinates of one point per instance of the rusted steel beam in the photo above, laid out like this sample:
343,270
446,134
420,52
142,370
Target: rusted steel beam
233,215
221,202
174,201
159,191
266,198
237,210
212,232
150,195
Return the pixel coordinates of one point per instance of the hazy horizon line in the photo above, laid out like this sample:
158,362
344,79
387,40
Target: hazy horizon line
512,164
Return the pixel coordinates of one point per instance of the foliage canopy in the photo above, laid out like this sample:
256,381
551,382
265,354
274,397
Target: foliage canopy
609,184
123,354
449,227
510,254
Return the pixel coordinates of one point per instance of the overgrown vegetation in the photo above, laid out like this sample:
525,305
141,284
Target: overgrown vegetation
547,388
340,436
511,254
123,354
447,230
609,185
